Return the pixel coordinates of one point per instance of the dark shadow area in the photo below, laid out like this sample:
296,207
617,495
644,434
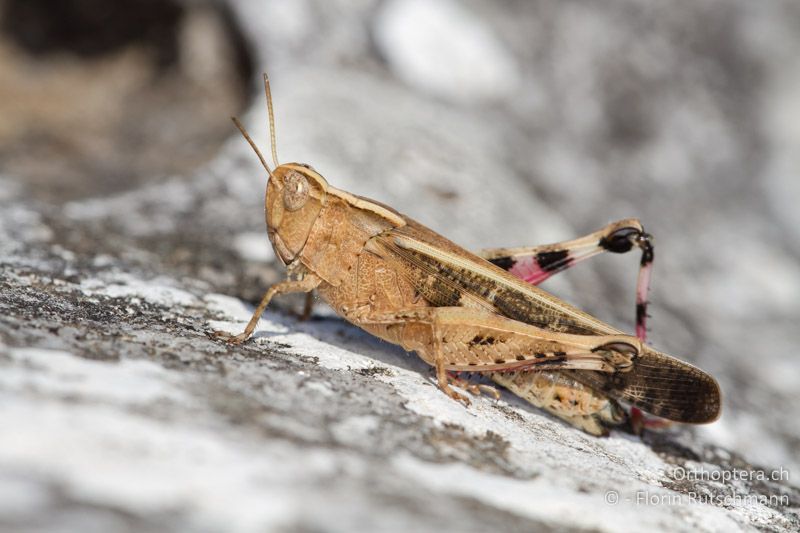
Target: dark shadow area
93,28
99,97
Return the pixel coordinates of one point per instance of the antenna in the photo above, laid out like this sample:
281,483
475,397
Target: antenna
271,121
252,145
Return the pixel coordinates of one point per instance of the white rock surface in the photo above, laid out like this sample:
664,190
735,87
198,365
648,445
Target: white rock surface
119,413
445,49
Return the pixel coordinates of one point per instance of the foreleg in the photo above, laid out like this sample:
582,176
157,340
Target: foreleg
307,284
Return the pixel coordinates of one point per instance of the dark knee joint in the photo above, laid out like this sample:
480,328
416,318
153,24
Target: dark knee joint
623,240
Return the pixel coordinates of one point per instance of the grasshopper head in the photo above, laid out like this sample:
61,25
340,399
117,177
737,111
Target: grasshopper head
295,196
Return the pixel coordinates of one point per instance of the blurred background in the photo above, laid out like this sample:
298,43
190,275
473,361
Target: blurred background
497,123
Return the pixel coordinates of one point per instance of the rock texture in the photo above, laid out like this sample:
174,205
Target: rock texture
118,413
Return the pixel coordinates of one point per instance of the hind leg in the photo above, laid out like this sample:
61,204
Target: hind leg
535,264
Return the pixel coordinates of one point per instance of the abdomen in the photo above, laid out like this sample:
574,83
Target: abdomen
563,397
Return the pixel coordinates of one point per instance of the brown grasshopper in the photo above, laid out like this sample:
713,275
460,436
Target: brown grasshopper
467,312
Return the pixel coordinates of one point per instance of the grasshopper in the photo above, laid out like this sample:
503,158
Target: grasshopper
474,312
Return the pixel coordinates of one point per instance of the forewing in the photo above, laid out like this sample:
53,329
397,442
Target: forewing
455,277
661,385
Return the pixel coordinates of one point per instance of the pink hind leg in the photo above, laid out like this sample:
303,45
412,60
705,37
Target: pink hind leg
535,264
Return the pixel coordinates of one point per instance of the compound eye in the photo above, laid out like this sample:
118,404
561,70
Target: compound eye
295,191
